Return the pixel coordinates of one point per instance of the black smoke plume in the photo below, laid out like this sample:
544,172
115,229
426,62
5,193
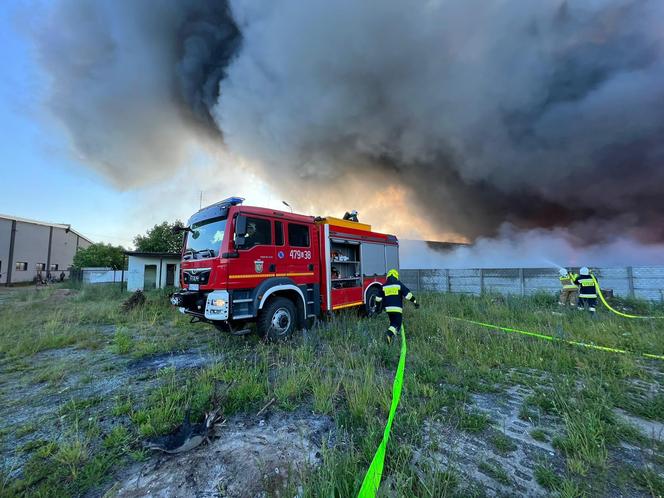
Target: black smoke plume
541,114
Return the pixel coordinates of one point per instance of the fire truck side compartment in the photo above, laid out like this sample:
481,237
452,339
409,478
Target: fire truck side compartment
392,257
373,259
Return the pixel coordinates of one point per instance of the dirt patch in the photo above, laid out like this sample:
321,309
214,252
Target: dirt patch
29,295
187,359
87,384
60,295
649,428
503,470
244,460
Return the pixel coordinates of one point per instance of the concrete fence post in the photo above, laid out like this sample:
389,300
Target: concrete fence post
481,281
448,283
522,282
630,280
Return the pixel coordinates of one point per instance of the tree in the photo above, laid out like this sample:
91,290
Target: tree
100,255
160,238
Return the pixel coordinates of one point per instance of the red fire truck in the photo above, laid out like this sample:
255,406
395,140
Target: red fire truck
243,264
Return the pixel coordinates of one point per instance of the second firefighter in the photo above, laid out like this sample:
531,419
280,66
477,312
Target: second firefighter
391,297
587,290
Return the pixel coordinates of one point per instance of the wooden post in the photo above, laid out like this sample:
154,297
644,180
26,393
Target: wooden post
522,282
630,280
419,280
447,282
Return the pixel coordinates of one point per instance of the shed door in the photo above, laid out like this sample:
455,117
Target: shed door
150,277
170,275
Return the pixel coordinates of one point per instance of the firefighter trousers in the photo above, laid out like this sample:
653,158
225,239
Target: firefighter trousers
395,322
568,297
587,302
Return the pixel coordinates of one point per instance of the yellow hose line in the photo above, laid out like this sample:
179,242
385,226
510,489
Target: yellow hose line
557,339
601,296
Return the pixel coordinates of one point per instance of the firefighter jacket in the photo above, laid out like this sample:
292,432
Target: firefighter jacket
392,295
568,281
586,284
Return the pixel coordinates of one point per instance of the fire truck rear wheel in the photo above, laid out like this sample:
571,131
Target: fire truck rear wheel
371,307
277,319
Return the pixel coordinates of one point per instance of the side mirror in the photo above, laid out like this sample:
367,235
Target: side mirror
241,226
239,241
240,231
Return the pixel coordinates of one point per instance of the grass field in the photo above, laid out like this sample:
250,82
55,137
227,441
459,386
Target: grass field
483,413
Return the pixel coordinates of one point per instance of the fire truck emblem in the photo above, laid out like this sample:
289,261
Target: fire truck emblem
259,266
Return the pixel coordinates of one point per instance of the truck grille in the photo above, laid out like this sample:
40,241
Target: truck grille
196,276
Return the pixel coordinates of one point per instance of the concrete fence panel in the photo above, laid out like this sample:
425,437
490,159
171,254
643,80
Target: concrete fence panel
644,282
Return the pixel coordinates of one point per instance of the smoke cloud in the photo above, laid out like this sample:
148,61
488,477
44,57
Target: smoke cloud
543,115
538,248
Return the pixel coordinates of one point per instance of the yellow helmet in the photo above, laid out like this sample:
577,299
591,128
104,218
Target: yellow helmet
393,273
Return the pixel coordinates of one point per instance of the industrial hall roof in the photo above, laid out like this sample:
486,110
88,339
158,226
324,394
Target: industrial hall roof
45,224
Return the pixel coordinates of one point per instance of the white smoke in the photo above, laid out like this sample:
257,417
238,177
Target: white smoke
530,249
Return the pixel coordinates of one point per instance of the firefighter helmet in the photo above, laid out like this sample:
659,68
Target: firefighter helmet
584,271
393,273
563,272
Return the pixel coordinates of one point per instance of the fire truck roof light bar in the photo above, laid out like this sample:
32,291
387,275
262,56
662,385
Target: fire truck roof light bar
231,201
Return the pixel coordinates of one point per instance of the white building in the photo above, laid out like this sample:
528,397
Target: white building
151,270
29,246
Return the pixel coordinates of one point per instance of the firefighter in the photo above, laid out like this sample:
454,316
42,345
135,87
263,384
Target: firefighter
587,290
391,297
570,292
352,216
250,236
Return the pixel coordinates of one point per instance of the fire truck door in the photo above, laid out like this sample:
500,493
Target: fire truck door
257,254
299,251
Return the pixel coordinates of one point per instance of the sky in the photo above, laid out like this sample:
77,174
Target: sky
43,180
530,128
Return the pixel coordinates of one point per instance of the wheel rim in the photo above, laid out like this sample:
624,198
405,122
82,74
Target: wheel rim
281,321
373,305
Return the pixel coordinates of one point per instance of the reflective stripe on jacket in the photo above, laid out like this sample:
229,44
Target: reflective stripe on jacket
568,281
587,285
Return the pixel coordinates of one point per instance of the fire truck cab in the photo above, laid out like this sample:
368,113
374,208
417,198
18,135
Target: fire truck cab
243,264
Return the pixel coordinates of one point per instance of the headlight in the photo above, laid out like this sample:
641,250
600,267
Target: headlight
218,302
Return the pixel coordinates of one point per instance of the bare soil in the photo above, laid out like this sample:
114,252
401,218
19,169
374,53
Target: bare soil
254,458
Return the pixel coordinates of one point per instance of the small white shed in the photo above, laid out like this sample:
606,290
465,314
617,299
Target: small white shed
152,270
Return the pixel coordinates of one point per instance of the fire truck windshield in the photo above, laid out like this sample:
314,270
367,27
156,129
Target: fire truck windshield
204,239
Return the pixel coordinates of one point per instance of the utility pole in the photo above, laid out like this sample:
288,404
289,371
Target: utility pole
200,201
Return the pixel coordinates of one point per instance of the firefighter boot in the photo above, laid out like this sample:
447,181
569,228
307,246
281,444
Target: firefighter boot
390,334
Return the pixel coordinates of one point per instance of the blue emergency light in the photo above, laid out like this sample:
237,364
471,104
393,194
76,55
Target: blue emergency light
233,201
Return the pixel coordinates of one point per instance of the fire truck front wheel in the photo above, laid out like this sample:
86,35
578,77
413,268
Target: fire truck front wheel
277,319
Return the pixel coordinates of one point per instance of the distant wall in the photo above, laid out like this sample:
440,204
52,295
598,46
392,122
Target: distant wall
644,282
101,275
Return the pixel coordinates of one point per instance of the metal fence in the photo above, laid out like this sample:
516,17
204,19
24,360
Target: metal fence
643,282
98,275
